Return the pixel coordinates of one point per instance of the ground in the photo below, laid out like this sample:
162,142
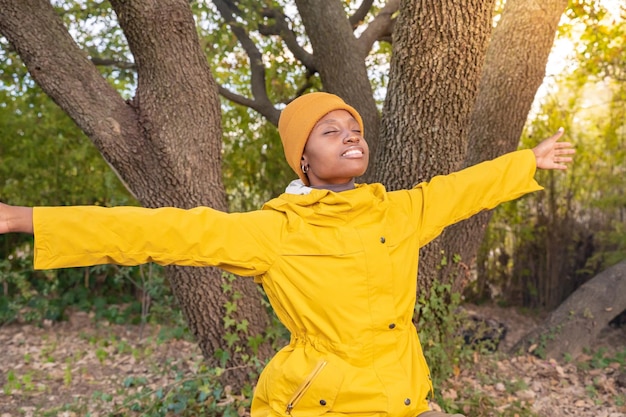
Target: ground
92,365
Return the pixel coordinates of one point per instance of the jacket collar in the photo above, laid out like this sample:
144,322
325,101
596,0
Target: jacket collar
298,187
325,207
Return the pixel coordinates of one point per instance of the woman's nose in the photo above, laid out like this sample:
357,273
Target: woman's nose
351,138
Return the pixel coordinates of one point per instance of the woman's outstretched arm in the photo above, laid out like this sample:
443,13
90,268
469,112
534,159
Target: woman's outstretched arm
16,219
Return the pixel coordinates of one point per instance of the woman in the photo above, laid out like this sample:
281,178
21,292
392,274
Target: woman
337,260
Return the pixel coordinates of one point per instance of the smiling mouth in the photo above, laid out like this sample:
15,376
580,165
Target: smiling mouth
353,152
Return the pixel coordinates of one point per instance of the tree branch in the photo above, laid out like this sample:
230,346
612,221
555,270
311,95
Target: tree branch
266,109
64,72
108,62
360,13
380,28
257,68
281,28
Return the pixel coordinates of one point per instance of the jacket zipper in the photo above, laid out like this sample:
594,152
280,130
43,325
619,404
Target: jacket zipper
303,388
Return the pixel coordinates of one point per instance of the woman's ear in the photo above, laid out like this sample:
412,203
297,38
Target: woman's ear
304,165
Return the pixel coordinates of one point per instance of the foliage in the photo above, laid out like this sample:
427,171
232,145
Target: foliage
601,80
116,294
45,159
601,46
438,328
441,326
600,359
254,167
199,394
539,249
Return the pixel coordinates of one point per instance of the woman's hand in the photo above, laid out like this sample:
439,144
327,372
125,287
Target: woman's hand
15,219
551,154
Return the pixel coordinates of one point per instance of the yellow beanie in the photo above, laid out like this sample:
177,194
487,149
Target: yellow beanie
298,119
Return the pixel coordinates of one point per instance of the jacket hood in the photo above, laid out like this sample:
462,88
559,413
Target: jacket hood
325,207
298,187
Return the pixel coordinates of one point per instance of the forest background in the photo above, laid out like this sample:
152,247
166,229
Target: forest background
534,254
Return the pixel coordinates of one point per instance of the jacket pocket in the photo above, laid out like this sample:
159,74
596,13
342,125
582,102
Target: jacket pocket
317,392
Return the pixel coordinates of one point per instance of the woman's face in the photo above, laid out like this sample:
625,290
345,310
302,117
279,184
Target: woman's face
335,151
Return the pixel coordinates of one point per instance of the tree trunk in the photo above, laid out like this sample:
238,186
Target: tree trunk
165,144
438,53
576,323
513,71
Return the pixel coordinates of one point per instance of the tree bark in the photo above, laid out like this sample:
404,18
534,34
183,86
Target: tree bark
576,323
514,69
165,144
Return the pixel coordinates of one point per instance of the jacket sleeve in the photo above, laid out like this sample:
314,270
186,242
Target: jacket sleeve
242,243
448,199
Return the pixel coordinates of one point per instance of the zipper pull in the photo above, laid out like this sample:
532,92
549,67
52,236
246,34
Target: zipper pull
302,389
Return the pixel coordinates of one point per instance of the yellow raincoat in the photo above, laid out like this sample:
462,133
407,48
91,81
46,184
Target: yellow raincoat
339,269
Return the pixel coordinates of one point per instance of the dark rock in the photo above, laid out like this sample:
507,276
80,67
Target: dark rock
483,332
619,320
